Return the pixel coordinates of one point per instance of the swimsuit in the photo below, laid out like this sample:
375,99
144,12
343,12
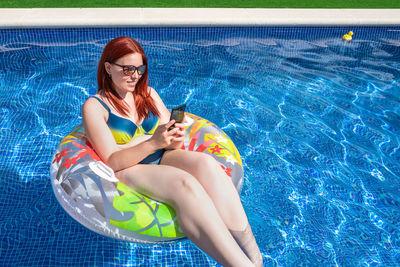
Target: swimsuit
125,130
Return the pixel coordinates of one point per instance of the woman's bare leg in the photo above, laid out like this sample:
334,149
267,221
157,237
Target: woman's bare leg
215,181
222,192
196,212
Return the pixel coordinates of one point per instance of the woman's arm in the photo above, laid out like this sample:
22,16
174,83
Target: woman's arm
94,121
124,158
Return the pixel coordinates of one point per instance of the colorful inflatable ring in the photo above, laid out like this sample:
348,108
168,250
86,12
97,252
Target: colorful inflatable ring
88,190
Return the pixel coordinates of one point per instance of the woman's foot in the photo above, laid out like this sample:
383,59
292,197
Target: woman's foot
247,242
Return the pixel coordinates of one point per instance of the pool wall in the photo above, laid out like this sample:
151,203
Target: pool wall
58,17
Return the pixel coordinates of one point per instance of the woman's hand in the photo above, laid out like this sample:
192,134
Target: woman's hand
178,137
162,138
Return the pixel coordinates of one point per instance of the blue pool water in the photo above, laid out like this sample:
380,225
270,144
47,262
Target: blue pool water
316,120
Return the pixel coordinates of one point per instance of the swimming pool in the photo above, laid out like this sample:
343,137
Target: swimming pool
316,120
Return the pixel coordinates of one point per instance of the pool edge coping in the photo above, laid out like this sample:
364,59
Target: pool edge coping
92,17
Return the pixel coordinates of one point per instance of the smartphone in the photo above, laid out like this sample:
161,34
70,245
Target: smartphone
177,114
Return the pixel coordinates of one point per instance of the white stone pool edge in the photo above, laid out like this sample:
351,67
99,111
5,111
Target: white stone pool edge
92,17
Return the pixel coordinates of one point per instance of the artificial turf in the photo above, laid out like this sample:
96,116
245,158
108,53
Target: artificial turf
201,3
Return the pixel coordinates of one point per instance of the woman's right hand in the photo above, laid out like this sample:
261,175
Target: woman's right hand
162,137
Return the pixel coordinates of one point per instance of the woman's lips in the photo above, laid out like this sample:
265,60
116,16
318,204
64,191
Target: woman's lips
132,83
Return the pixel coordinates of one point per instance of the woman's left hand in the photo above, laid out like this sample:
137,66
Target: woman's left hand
178,137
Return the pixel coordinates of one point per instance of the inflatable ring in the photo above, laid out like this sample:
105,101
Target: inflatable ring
88,190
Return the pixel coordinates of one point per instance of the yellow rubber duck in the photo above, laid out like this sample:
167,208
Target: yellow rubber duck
347,37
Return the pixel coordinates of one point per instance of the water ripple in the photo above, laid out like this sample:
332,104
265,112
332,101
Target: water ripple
316,120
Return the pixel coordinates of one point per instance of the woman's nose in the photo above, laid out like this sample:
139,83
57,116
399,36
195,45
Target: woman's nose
135,75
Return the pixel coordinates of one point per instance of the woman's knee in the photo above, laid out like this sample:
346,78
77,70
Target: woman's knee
206,165
185,186
209,173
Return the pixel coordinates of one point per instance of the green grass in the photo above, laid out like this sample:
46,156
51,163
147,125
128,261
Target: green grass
203,3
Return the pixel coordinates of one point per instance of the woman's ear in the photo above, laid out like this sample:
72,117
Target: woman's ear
107,66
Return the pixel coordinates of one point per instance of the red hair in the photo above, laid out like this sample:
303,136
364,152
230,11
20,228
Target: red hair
114,50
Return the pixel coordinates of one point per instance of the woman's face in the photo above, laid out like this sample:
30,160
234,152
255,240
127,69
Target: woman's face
125,82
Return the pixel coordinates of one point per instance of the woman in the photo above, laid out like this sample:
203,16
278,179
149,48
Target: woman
207,204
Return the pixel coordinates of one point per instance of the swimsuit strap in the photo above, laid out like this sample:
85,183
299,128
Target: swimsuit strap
104,104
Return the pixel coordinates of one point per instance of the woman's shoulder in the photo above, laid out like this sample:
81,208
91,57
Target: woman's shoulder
92,104
91,101
150,90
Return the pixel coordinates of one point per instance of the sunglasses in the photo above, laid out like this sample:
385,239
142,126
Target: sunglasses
129,70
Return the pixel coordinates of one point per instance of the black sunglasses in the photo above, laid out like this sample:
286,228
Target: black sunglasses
129,70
